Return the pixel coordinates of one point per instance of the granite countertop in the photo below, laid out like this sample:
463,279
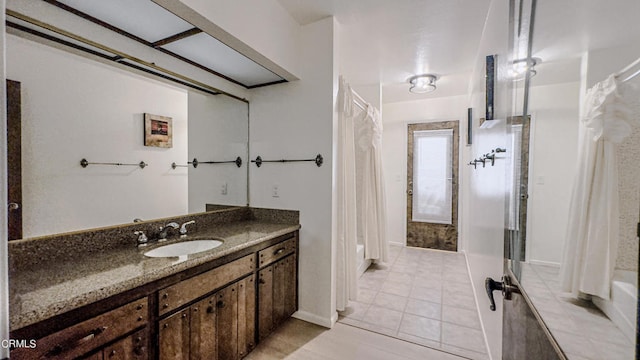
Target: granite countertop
46,291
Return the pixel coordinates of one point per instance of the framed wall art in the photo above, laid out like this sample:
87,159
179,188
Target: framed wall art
158,131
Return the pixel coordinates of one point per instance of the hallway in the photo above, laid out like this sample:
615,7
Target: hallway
422,296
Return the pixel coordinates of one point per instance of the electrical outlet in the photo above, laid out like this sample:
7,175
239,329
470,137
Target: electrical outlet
275,191
223,189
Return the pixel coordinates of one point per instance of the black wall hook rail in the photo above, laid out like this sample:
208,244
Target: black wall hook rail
174,165
488,157
195,163
237,161
318,160
84,163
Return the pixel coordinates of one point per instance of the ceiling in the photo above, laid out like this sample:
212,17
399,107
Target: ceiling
386,42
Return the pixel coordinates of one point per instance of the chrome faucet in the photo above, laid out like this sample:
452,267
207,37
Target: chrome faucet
164,230
183,228
142,238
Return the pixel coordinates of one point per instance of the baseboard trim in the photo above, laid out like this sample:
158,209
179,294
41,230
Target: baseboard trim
315,319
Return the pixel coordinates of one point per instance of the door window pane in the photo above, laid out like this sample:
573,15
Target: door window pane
432,175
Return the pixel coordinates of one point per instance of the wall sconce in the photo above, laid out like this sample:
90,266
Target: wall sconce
421,84
519,68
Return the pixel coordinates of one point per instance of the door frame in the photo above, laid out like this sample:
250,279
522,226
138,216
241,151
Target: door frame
455,223
14,158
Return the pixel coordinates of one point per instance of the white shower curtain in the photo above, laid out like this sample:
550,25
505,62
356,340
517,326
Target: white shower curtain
593,226
346,266
371,203
367,212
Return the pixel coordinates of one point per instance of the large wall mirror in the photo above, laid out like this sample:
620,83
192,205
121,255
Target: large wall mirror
75,107
597,42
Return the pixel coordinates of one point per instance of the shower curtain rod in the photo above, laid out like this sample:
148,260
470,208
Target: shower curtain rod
627,68
358,100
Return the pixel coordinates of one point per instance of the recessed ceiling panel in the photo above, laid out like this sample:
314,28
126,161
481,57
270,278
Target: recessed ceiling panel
211,53
141,18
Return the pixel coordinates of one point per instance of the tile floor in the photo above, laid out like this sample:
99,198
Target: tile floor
581,329
299,340
421,296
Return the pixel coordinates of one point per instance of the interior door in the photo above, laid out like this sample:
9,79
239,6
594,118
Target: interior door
432,185
14,160
524,334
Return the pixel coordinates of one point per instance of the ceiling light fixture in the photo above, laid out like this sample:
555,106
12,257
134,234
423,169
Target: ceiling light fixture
519,69
421,84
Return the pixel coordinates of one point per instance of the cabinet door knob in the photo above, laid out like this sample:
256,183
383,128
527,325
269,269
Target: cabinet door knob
139,350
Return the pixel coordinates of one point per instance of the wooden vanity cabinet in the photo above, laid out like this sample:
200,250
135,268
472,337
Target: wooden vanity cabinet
219,312
221,326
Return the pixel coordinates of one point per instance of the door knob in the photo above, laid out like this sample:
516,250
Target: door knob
505,286
13,206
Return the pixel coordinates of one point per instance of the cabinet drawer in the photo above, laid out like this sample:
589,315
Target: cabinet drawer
276,252
174,296
83,337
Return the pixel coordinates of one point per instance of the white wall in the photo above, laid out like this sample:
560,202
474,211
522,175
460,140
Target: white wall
218,131
75,108
396,116
295,120
483,192
552,162
4,266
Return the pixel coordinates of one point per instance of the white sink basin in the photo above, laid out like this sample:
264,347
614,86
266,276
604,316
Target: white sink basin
184,248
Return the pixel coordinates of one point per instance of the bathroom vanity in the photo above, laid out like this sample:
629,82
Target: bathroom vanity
113,302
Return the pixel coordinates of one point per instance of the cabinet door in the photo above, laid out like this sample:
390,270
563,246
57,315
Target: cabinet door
174,336
96,356
227,322
265,302
277,294
291,286
132,347
279,269
203,329
246,315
